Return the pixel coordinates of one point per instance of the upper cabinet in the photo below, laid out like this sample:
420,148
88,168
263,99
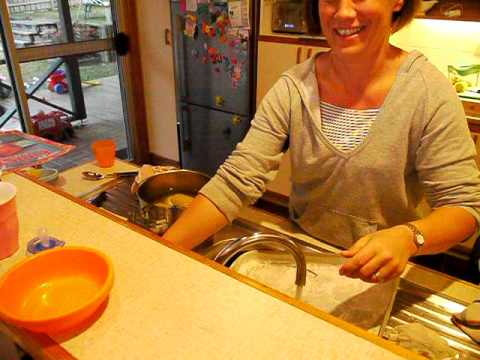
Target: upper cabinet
466,10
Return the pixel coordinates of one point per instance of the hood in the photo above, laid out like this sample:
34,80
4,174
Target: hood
304,79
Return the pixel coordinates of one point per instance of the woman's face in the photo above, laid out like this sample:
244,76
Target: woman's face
357,27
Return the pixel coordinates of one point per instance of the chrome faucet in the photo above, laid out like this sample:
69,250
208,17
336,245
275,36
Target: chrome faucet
272,241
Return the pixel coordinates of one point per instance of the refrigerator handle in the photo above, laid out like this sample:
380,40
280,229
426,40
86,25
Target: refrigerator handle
185,128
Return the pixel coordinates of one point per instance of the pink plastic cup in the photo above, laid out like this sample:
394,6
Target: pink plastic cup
104,151
8,220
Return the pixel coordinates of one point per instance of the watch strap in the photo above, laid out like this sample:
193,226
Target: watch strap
418,237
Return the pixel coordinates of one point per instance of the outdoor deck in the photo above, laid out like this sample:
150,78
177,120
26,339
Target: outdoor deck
104,119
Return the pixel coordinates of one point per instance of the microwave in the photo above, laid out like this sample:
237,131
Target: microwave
289,16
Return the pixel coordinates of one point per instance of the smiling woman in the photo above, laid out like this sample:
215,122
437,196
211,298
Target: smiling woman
367,136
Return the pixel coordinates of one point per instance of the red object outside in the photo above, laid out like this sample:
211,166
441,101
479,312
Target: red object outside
54,125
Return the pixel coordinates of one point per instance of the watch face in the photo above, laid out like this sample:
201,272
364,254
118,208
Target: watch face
420,239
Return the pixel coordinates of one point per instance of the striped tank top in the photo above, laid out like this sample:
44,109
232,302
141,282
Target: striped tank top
346,128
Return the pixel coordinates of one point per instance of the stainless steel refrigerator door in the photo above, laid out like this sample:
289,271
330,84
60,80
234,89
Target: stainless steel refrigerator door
208,137
206,67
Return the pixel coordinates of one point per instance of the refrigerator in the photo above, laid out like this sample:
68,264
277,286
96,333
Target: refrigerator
214,77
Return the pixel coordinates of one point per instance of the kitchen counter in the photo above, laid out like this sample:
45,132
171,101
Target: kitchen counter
171,303
71,180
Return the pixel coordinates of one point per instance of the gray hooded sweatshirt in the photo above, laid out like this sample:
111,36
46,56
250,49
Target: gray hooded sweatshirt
419,145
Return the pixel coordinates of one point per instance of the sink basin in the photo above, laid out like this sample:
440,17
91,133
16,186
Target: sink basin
363,304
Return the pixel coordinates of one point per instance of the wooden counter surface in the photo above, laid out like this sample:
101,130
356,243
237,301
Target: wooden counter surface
167,303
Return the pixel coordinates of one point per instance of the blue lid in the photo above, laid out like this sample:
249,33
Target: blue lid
38,244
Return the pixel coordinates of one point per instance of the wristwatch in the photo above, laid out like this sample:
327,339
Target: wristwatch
418,237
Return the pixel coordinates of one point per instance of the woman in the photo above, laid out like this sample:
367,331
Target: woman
372,129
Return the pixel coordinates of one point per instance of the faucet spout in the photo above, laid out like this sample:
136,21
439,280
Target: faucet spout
269,240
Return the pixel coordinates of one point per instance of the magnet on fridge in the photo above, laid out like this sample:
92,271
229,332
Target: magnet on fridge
237,72
219,101
217,70
212,32
244,34
195,53
236,75
191,5
191,29
234,42
183,5
202,9
236,120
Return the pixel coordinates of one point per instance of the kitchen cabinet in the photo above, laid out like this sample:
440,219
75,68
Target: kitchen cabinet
464,10
472,109
276,57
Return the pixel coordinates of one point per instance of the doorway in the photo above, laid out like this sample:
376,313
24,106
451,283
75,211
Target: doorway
68,58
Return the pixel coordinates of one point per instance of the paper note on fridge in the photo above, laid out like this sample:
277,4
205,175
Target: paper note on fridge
238,13
191,5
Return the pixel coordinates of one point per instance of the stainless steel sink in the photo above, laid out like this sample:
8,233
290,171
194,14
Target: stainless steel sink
412,303
363,304
416,304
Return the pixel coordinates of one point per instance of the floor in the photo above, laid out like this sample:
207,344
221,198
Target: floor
104,120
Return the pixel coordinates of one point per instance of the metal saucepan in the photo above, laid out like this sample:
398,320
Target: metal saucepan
153,191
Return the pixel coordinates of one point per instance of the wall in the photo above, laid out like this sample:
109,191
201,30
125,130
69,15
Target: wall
444,42
158,75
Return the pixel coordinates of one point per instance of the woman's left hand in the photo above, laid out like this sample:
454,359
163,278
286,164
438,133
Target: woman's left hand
380,256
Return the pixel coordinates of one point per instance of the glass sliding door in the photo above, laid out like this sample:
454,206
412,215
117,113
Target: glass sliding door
62,60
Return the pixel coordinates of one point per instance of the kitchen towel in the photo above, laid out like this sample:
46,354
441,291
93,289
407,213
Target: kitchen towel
421,340
469,321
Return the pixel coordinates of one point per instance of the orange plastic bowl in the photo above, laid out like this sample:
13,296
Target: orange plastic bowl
56,289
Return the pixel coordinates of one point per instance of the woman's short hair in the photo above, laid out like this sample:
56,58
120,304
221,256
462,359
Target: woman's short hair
405,15
399,18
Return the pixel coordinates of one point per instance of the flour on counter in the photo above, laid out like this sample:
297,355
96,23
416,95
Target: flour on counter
355,301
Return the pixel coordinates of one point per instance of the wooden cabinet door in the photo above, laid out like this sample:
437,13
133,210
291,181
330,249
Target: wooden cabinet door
273,60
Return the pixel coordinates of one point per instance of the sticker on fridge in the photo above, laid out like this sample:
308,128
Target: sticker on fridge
238,13
191,5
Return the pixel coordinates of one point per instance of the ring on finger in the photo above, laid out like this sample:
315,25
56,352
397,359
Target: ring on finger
377,276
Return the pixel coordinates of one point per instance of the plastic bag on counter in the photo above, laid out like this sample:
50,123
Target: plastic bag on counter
421,340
